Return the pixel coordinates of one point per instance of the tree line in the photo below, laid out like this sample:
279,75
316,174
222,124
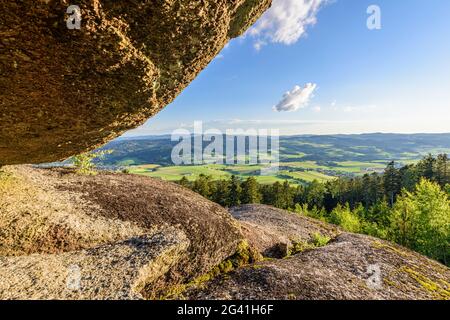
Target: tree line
409,205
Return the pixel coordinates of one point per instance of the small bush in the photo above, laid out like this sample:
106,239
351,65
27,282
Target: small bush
84,163
320,240
345,218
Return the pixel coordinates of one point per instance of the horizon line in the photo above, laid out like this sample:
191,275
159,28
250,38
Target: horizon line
300,134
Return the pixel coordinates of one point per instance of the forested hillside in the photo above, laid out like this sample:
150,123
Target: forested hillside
408,205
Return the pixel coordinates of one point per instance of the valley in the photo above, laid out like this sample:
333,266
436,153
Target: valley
303,159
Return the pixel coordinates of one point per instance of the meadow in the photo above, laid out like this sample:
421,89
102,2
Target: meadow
295,172
303,159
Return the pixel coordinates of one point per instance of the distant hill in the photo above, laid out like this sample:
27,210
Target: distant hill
319,148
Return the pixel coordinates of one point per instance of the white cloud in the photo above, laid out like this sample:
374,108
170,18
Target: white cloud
259,44
317,109
285,22
296,99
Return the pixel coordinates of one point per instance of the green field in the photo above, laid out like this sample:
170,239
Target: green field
297,172
302,158
174,173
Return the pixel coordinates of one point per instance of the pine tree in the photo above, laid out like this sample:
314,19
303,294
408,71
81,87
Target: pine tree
250,191
267,194
202,186
442,170
391,182
300,196
279,200
288,195
184,182
235,190
409,177
315,194
221,192
426,167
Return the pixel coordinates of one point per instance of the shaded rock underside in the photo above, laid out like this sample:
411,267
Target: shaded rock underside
63,92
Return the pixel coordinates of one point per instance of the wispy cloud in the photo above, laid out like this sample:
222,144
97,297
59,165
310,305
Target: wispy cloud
259,44
296,98
285,22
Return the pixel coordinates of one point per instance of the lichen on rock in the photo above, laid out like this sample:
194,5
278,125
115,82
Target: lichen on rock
275,233
349,267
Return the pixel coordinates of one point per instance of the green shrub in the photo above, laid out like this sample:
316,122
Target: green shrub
320,240
374,230
345,218
84,163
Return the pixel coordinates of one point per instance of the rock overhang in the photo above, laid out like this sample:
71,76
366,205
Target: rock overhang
66,91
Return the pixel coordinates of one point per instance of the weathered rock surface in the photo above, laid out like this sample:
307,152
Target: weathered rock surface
55,215
117,236
350,267
66,91
112,271
273,232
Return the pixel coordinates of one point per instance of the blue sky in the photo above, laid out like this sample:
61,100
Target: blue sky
343,77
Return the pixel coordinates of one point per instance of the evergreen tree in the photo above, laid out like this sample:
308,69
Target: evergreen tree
278,197
391,182
184,182
250,191
288,195
234,193
426,167
375,189
442,170
221,192
315,194
299,195
267,194
409,177
202,186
